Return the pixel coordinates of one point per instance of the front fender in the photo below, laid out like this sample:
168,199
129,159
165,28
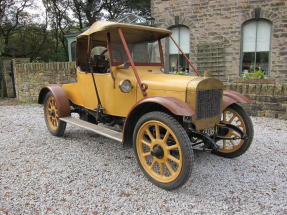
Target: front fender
62,101
170,104
230,97
174,105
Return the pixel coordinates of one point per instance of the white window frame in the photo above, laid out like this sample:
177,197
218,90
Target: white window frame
184,44
257,21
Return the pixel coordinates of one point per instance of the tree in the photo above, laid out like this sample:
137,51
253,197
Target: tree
88,11
21,35
4,4
60,21
140,7
115,9
12,18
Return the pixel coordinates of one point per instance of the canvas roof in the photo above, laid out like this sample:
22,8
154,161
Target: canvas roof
132,33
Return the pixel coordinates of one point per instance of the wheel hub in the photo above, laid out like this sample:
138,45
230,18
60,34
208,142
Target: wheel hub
157,151
53,114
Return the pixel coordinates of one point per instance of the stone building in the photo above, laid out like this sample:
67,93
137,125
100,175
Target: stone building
226,37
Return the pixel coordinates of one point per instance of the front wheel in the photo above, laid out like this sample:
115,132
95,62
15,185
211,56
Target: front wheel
51,112
235,115
163,150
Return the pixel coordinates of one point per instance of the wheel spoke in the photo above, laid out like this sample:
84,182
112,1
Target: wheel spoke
231,119
161,168
236,135
149,134
170,169
241,126
53,121
224,144
232,142
175,146
166,136
152,163
157,133
146,143
173,159
146,154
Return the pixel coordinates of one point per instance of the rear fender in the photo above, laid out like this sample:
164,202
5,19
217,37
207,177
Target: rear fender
62,101
168,104
230,97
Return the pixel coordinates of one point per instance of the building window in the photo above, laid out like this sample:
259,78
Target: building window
256,46
176,60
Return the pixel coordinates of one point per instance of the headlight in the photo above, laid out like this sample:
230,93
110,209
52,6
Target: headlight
125,86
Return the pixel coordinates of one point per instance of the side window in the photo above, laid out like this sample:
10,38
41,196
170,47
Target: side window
177,62
81,53
97,60
256,46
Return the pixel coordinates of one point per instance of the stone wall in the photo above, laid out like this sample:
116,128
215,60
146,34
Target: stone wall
269,100
31,77
7,84
219,22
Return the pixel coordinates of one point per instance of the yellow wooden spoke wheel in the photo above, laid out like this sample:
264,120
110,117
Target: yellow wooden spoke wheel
236,116
54,124
52,113
163,150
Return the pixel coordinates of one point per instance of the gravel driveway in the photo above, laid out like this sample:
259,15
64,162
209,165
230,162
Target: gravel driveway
84,173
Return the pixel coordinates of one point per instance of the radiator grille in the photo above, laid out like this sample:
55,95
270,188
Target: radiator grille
208,103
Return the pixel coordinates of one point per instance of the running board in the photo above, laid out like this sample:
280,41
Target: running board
106,132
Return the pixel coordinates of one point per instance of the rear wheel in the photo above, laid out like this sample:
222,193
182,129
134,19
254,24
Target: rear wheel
163,150
54,124
235,115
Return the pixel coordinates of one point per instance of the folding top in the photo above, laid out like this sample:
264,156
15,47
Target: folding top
133,33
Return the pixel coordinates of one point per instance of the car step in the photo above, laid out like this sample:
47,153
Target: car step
106,132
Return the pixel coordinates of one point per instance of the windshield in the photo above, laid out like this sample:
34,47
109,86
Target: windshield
144,53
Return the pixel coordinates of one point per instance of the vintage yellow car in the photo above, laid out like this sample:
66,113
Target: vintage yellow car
122,92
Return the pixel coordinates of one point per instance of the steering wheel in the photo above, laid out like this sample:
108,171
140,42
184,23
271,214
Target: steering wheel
103,52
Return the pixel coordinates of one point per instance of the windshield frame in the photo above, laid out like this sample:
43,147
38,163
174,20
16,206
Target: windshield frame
117,63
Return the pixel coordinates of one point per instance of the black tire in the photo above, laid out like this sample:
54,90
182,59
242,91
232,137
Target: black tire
55,126
183,151
248,129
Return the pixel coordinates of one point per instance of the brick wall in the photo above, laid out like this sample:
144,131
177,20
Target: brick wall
219,22
31,77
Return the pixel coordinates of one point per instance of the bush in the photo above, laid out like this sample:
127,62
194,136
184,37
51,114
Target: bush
259,74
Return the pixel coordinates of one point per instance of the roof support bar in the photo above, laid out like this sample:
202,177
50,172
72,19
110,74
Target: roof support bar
187,59
161,53
142,86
